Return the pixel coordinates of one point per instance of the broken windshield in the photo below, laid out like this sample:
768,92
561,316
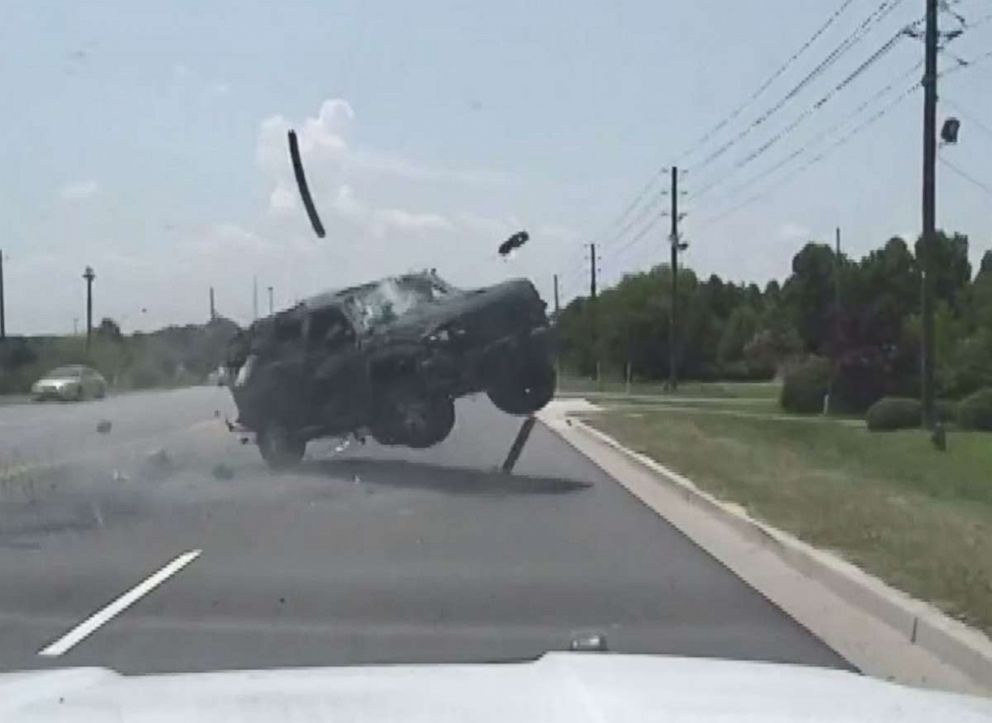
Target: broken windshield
384,301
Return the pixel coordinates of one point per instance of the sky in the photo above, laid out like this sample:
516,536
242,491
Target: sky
148,140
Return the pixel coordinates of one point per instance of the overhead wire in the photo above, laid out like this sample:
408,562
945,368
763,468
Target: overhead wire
816,159
782,133
852,39
965,175
972,118
829,130
880,12
643,192
765,85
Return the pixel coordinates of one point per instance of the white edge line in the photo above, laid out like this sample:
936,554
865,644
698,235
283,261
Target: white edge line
107,612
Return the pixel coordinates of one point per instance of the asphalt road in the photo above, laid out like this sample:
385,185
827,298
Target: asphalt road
363,554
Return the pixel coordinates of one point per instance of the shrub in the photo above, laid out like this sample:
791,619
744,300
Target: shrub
947,410
859,381
975,411
890,413
805,385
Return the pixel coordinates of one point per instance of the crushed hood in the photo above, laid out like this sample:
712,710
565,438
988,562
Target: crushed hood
509,302
573,687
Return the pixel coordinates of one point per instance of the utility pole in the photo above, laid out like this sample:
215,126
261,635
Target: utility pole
557,353
592,271
557,309
75,326
673,329
594,308
254,298
213,310
270,301
89,275
3,312
828,400
929,211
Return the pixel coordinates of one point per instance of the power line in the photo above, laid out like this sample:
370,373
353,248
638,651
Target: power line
638,218
876,16
761,150
764,86
820,156
967,114
971,179
881,93
639,197
639,235
966,64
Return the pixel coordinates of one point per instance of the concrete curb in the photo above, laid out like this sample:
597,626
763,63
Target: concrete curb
962,648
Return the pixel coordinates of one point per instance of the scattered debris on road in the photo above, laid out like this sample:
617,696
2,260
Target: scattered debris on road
119,476
588,642
160,459
103,426
222,471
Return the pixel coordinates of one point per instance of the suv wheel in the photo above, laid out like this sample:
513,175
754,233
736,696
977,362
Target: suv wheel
526,391
280,448
414,419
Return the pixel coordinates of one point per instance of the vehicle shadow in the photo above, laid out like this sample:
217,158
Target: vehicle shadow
440,478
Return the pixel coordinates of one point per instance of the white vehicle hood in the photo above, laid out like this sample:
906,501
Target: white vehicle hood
558,687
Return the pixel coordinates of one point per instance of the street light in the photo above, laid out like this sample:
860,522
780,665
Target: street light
89,275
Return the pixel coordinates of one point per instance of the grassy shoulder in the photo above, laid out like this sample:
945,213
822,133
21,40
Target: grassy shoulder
889,502
723,390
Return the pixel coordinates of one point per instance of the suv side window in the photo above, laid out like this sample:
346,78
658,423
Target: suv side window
329,330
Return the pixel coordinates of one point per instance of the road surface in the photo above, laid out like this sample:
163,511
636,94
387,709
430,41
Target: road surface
364,554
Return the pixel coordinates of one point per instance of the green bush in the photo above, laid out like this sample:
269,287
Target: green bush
890,413
805,385
947,410
975,411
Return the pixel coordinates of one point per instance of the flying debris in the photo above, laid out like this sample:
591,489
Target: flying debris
514,242
301,183
949,132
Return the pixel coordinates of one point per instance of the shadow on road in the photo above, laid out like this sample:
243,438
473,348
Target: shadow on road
446,479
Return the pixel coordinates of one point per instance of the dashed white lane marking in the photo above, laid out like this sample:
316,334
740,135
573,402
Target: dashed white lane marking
103,615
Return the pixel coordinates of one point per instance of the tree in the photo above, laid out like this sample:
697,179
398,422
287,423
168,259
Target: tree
109,329
951,268
809,294
737,332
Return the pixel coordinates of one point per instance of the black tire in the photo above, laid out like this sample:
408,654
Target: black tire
526,391
280,448
413,418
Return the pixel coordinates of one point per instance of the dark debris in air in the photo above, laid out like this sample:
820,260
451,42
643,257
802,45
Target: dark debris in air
514,242
301,184
103,426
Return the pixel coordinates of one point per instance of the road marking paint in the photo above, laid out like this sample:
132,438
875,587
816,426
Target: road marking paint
103,615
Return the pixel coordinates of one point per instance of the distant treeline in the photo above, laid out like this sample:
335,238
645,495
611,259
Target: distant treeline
173,356
862,315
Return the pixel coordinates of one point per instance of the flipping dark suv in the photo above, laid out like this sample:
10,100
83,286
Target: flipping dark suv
389,358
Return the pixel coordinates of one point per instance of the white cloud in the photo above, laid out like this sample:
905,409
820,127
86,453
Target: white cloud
79,189
790,231
405,221
190,78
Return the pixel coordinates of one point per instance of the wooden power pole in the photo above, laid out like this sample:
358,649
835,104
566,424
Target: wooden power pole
3,311
929,212
673,329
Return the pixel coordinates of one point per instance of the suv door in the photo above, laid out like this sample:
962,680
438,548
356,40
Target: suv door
336,367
